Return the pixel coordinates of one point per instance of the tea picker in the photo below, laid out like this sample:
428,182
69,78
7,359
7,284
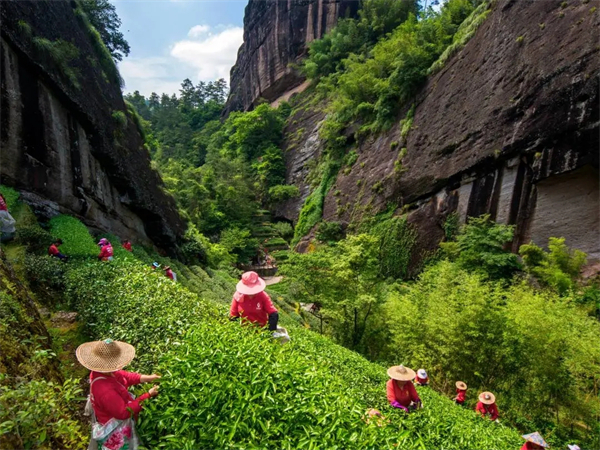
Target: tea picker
251,302
7,222
112,407
401,392
106,250
487,406
535,441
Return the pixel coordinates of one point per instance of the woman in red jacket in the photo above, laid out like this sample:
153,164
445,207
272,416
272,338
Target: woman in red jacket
401,392
112,405
252,303
106,250
461,393
487,406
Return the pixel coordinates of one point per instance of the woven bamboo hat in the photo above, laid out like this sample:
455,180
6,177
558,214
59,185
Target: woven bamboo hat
461,385
105,356
401,373
487,398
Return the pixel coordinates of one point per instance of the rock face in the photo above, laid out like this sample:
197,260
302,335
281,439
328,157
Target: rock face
509,127
68,143
276,33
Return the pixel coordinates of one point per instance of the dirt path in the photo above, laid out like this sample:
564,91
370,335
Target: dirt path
272,280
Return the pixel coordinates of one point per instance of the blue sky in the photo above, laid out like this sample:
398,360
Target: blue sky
176,39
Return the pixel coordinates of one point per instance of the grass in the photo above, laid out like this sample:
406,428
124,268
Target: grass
465,32
63,53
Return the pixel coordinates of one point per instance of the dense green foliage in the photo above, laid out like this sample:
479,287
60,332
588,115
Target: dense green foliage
368,77
231,386
467,317
103,16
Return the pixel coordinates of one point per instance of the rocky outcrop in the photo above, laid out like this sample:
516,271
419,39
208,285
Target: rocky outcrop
68,143
276,34
509,127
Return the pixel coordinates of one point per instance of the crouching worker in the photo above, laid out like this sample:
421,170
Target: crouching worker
252,303
106,250
54,251
401,392
486,406
112,407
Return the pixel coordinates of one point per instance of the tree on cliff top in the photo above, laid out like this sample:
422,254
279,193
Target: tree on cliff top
103,16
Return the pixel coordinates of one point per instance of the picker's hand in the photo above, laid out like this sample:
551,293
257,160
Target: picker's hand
149,378
399,406
153,391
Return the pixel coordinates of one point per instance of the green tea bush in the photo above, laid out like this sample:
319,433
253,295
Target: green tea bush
10,195
44,271
34,238
77,241
285,230
39,414
330,232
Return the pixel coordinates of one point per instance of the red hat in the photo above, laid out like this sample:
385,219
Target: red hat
251,284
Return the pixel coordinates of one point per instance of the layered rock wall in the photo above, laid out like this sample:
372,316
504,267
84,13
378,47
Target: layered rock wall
509,127
67,142
276,34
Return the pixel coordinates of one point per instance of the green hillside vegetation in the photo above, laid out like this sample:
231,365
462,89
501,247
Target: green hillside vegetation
530,336
226,385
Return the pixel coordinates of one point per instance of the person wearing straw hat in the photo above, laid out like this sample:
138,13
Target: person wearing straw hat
252,303
422,378
487,406
535,441
461,393
169,273
112,407
401,392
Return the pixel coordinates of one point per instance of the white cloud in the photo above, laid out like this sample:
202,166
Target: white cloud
212,56
198,31
204,56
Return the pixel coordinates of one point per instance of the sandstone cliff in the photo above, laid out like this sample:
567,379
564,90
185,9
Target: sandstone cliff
67,141
276,33
509,127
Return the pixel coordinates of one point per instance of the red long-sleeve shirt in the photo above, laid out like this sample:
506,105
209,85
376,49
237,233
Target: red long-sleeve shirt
106,252
111,398
256,309
169,274
53,250
403,395
487,410
127,246
461,395
3,206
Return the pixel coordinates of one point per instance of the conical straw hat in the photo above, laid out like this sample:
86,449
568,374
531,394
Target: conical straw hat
487,398
105,356
536,438
401,373
461,385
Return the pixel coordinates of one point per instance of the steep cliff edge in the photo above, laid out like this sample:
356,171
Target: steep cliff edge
68,142
276,34
508,127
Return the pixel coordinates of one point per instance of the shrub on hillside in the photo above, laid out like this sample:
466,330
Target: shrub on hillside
77,241
330,232
285,230
44,271
559,268
34,238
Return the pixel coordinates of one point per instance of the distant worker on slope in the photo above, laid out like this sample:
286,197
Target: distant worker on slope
422,378
401,392
169,273
112,407
106,250
127,245
461,393
487,406
54,251
535,441
250,302
7,223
